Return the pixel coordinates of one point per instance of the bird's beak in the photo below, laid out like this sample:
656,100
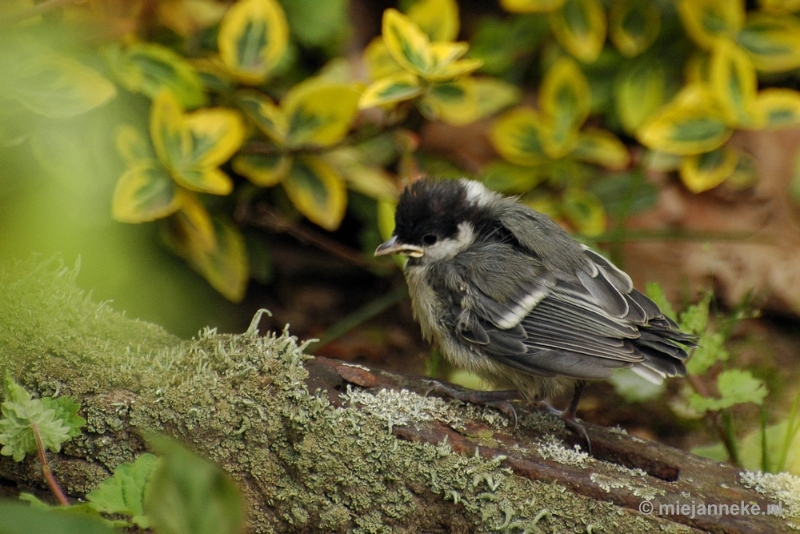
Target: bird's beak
393,246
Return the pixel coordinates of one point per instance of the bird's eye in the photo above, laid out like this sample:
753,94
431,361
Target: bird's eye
429,239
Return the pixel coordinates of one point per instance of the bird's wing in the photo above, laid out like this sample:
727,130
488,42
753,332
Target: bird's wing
581,324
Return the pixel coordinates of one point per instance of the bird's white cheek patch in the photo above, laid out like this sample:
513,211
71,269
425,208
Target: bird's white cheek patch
448,248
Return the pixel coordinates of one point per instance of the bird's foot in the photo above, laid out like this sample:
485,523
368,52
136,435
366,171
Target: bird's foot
570,421
499,400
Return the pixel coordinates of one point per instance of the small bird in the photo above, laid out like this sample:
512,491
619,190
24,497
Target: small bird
506,293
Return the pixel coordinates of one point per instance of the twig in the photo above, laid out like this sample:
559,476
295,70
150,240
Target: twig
46,472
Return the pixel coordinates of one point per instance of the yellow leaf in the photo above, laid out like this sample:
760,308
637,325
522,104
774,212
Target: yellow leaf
319,113
584,211
603,148
187,17
317,191
171,139
494,94
709,21
580,27
565,100
132,145
706,171
390,90
217,133
204,180
379,60
437,18
634,25
733,79
517,137
777,108
691,124
531,6
697,69
253,37
368,180
408,44
386,209
145,192
639,90
58,87
268,117
261,169
773,41
195,225
780,6
454,69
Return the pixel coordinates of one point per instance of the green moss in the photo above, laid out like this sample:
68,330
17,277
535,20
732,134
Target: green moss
304,465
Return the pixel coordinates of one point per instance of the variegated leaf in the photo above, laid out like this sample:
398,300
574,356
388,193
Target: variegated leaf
317,191
252,38
145,192
517,137
261,169
580,27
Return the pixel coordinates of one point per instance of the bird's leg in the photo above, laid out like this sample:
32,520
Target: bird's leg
569,416
498,399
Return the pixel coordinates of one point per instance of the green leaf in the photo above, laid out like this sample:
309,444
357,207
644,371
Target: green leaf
372,181
319,113
148,68
777,108
171,139
438,19
706,171
710,350
66,410
640,89
317,191
145,192
584,211
564,100
773,41
453,102
253,36
60,87
695,319
23,519
710,21
603,148
509,178
407,43
517,137
656,293
263,170
501,43
124,492
391,89
19,412
268,117
216,134
735,387
580,27
733,79
133,146
318,24
634,25
189,494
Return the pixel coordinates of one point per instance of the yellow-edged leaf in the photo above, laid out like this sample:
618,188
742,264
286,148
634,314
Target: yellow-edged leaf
171,139
691,124
408,44
634,25
204,180
217,133
455,69
132,145
368,180
437,18
603,148
253,37
267,116
59,87
494,94
709,21
777,108
702,172
261,169
317,191
453,102
187,17
773,41
379,61
639,90
584,211
780,6
508,178
580,27
148,68
145,192
517,137
531,6
697,69
195,225
390,90
565,100
733,79
319,113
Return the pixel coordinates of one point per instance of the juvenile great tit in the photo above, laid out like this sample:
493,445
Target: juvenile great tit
506,293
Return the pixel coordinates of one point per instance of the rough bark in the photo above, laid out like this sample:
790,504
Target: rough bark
322,445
